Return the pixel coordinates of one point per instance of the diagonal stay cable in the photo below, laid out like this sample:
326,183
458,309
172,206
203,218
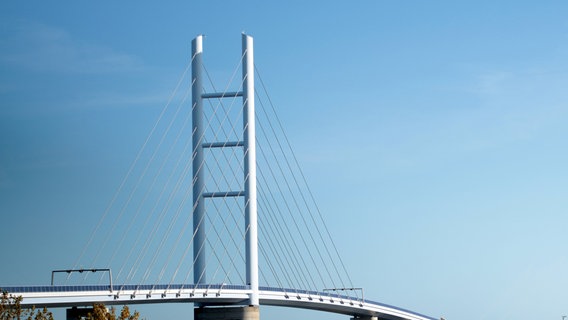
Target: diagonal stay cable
208,125
289,210
193,156
138,183
161,274
150,188
150,213
284,234
208,260
307,187
267,198
297,204
133,165
276,247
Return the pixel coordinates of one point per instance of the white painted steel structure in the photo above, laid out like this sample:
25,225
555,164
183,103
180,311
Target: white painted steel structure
199,275
70,296
249,148
249,137
201,293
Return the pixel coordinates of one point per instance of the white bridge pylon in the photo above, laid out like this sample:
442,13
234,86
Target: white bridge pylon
297,250
248,144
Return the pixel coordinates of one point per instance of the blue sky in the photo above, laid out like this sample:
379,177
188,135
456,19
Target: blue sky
433,134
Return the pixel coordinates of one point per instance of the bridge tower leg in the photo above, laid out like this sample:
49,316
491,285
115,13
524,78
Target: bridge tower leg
250,170
199,275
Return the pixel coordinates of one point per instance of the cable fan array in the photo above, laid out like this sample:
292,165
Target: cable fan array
145,235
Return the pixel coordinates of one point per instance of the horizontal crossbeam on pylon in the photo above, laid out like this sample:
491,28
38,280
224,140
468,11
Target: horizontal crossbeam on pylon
223,194
213,95
223,144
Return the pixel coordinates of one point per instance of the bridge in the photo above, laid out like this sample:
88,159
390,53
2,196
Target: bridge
297,252
213,295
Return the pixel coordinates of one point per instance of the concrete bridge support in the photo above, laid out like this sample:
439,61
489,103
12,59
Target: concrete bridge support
227,313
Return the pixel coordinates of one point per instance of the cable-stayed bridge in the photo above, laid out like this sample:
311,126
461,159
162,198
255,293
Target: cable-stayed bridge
256,234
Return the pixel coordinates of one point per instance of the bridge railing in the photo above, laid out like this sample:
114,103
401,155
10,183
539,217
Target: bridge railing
136,287
124,287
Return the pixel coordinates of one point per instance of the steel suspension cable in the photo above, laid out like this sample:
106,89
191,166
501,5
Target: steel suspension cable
133,165
201,138
150,188
307,187
278,250
216,134
289,210
143,251
288,185
287,252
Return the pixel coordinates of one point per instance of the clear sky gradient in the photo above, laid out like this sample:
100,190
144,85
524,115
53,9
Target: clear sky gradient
433,134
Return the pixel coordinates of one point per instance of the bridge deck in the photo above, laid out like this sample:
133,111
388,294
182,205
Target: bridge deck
214,294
